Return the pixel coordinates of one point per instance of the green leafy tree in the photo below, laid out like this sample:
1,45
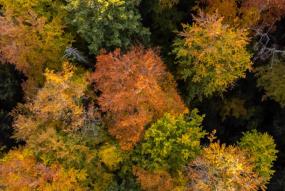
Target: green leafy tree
262,149
171,142
106,24
211,56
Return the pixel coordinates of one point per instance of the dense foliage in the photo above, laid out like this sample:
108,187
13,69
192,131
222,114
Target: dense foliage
142,95
222,168
262,148
171,142
136,89
21,171
106,24
211,56
247,13
32,40
158,180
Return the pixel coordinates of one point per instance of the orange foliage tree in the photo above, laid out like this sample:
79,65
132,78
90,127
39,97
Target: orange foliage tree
270,11
159,180
248,13
136,89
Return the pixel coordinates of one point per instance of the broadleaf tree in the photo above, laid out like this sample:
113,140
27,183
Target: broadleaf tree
222,167
261,147
136,89
171,142
107,24
32,40
211,56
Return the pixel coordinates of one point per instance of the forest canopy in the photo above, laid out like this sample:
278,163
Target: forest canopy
142,95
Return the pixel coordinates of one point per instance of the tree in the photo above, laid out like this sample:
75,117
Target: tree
247,13
136,89
55,110
106,24
222,168
272,79
57,128
19,170
211,56
270,11
32,41
45,8
171,142
232,12
262,149
226,8
58,101
159,180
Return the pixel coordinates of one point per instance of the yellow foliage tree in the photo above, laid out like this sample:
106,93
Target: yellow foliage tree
56,108
211,56
110,156
223,168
